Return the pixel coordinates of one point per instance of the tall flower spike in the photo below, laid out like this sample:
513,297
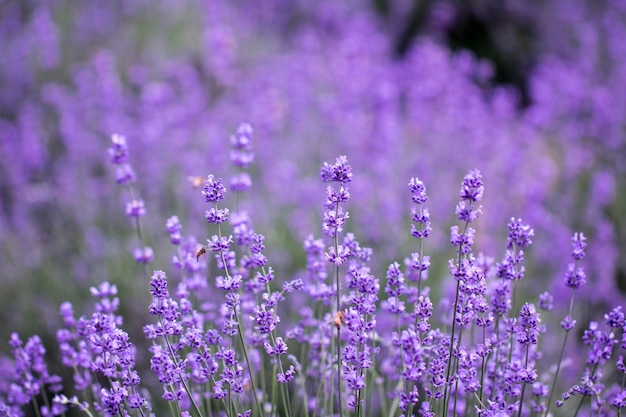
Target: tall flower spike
575,276
471,193
241,156
418,264
118,154
213,190
340,171
135,209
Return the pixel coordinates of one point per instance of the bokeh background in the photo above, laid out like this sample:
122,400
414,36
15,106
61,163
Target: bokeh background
532,93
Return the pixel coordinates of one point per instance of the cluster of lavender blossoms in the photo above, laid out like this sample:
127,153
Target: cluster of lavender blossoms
229,336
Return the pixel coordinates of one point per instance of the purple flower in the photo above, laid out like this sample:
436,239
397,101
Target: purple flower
340,171
217,216
291,286
419,214
135,208
568,323
519,235
287,376
501,299
213,190
118,152
113,399
173,227
528,331
546,301
418,191
124,174
240,182
265,320
219,244
334,197
279,349
471,193
334,220
575,277
615,318
241,154
619,401
462,241
228,282
600,344
579,244
338,256
144,255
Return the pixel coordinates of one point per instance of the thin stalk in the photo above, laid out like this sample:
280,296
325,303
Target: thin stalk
421,250
274,388
182,380
321,390
338,325
329,395
357,406
448,368
240,330
36,406
562,352
303,390
446,397
582,397
339,371
373,374
45,397
83,408
556,374
245,354
521,399
139,229
482,367
580,404
285,390
456,383
479,401
619,410
133,391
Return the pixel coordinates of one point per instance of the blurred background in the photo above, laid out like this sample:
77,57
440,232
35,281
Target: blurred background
529,92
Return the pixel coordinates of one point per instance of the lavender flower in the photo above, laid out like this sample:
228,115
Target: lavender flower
135,208
30,378
241,156
174,228
471,192
213,190
118,154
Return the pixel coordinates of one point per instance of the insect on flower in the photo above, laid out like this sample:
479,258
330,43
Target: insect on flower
201,251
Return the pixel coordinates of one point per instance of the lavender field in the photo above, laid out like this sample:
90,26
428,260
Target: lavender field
293,208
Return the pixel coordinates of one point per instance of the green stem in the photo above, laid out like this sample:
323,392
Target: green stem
446,397
521,400
556,374
182,380
562,352
139,229
482,367
338,324
245,354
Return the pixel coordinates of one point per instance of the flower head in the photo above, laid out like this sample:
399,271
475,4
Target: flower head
340,171
213,190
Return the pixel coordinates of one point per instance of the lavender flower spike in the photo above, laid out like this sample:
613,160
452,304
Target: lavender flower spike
471,193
